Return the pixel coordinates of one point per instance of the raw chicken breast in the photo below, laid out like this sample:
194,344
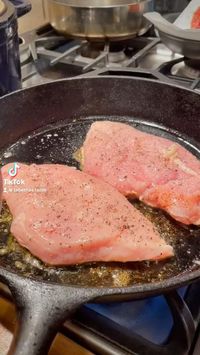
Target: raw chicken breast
156,170
64,216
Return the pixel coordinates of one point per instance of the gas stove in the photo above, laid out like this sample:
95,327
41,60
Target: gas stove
167,324
46,56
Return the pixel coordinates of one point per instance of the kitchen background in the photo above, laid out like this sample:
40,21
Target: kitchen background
35,18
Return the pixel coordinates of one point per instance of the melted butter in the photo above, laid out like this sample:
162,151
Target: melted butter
78,156
185,241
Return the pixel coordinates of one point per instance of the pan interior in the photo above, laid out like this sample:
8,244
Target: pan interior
56,144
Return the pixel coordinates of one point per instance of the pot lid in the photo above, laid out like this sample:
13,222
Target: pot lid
7,13
3,7
102,3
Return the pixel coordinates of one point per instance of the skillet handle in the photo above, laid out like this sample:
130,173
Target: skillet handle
42,308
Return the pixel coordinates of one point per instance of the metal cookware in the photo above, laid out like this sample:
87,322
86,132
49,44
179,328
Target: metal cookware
22,6
46,296
10,72
185,42
99,19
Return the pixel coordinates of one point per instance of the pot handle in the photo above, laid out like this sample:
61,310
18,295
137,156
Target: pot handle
22,6
41,309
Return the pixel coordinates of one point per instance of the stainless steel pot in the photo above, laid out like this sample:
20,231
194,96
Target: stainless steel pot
99,19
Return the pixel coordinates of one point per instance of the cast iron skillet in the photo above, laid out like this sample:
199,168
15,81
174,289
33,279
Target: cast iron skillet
48,123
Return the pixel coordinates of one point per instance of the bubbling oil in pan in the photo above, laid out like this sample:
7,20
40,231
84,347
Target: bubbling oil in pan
57,144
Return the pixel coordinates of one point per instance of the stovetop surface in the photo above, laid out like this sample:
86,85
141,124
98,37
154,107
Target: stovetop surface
56,58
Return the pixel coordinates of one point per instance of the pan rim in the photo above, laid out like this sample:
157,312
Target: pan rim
138,289
91,77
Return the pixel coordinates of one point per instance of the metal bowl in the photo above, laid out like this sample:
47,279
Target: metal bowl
188,48
185,42
99,19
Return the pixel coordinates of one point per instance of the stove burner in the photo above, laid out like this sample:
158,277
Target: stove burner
91,50
193,63
115,51
192,68
187,68
117,57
